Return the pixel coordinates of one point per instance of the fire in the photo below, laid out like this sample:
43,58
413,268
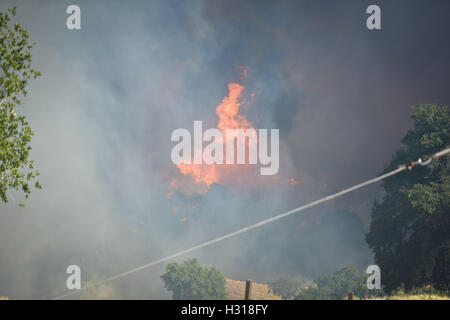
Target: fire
228,110
203,175
197,178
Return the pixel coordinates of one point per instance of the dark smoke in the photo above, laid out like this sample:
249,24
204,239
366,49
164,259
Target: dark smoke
112,93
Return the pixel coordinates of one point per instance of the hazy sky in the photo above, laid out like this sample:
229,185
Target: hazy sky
111,94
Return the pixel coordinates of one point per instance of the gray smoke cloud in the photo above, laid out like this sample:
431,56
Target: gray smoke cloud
112,93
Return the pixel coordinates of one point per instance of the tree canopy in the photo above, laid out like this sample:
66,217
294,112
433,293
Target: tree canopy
16,167
286,287
337,285
190,280
409,233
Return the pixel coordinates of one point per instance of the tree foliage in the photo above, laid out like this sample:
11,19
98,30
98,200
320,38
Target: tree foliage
337,285
190,280
409,233
16,167
286,287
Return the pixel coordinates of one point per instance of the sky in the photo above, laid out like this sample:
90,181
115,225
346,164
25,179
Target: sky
111,94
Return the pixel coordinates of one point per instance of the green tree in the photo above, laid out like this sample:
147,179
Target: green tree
285,287
337,285
190,280
16,168
440,276
314,293
409,232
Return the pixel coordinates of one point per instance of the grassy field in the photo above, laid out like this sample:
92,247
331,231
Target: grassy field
236,290
403,296
260,291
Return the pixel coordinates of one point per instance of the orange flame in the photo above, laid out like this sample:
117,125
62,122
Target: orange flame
197,178
228,110
203,175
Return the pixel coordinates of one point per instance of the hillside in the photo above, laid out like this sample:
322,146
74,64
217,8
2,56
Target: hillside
236,290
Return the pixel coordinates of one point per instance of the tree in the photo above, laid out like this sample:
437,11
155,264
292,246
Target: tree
314,293
441,276
337,285
190,280
343,281
16,168
285,287
409,232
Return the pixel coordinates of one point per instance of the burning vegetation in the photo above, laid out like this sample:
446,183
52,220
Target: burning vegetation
197,176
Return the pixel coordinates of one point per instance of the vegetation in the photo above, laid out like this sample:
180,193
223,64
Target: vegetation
260,291
409,233
190,280
403,296
16,168
286,287
337,285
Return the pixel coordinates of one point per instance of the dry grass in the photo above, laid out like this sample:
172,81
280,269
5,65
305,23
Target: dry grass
260,291
403,296
236,290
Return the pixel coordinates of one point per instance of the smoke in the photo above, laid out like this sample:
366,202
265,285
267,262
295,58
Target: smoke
112,93
196,176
